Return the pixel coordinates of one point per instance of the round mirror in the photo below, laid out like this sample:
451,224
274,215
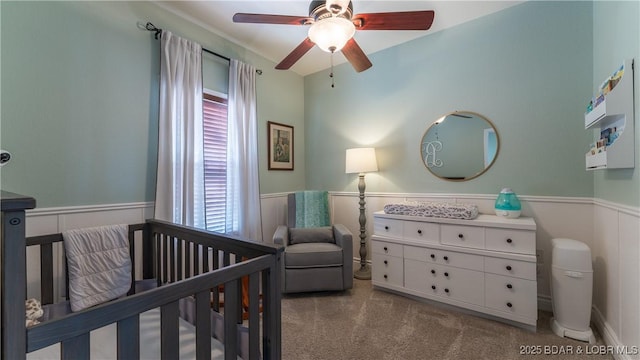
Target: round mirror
460,146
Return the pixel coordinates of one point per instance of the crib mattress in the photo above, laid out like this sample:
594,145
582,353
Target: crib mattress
103,341
433,209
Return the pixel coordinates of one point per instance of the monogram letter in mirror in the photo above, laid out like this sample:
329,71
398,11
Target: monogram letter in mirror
460,146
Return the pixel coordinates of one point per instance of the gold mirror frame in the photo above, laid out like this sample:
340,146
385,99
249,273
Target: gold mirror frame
429,149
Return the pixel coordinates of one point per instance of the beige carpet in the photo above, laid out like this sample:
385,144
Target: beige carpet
364,323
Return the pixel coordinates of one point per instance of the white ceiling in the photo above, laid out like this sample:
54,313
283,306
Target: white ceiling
274,42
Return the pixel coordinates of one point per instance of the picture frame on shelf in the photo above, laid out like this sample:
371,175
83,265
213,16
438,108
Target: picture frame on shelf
280,146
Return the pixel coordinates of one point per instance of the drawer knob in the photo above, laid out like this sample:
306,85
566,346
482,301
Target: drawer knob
385,249
385,276
446,290
509,304
509,286
419,231
509,267
386,227
446,258
386,262
460,236
446,274
509,241
433,256
433,272
433,287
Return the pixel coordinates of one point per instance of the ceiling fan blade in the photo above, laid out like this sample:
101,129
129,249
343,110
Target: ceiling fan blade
404,20
296,54
356,56
271,19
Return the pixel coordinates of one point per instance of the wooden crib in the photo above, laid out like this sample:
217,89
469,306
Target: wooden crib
188,269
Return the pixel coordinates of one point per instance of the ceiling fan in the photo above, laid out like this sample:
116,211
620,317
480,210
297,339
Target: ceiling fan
332,26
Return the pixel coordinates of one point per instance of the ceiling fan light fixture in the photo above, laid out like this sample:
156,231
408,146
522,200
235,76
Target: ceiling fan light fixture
331,34
337,7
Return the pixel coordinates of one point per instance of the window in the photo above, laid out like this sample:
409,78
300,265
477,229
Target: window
214,118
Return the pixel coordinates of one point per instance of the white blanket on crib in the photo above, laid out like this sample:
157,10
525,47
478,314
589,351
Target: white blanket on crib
99,264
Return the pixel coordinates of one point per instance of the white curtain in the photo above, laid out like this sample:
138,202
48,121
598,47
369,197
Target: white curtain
180,178
243,192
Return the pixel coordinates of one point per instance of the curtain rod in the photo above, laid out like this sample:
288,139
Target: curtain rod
150,27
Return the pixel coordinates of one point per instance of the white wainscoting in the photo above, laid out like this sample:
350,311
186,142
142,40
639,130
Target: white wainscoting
611,230
616,259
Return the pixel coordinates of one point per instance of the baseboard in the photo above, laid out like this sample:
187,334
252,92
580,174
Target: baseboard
617,349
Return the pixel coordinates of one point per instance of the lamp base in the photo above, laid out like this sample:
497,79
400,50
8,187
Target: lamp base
364,273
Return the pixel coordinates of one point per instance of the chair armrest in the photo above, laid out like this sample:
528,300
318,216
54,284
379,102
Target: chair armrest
281,236
343,236
344,239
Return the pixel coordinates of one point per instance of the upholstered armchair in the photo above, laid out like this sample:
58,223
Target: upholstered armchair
319,256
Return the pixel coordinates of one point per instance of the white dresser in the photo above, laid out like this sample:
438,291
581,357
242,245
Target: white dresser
486,265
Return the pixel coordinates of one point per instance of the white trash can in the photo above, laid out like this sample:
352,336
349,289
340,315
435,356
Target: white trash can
571,289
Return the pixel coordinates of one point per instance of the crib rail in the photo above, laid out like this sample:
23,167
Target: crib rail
185,263
72,331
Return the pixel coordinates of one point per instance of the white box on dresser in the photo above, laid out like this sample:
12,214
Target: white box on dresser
487,265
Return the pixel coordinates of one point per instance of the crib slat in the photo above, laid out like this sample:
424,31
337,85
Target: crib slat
254,316
231,320
172,256
148,246
132,256
203,326
216,290
196,259
170,260
169,348
129,338
179,267
161,258
46,273
205,260
76,348
187,259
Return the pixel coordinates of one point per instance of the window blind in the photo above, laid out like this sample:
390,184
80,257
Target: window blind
215,160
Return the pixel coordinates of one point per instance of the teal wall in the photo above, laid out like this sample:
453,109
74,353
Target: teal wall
616,29
80,95
527,68
79,98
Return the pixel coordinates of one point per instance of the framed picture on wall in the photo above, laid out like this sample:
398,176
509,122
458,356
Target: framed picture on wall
280,144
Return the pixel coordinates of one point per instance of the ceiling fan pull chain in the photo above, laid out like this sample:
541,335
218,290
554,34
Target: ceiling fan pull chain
331,74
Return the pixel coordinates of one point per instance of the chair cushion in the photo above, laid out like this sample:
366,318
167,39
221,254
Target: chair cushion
312,255
311,235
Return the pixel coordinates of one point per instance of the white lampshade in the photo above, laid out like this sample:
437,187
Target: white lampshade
331,34
361,160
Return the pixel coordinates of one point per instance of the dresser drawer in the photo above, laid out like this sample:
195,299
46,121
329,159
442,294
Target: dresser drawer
444,281
512,268
387,269
417,275
458,284
460,235
444,257
421,231
387,227
386,248
513,241
516,296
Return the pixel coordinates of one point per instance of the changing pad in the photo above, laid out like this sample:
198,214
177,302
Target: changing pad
433,209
